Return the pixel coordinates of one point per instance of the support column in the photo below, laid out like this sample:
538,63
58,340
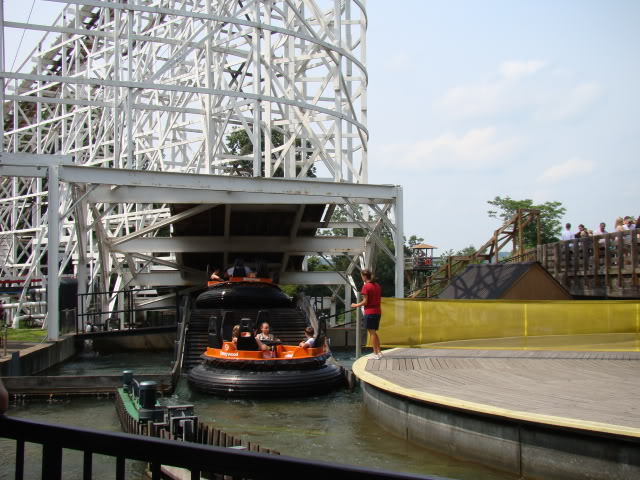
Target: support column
399,244
347,303
2,66
53,252
358,322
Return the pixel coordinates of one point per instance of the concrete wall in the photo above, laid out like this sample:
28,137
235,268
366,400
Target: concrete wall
530,450
156,342
70,385
40,357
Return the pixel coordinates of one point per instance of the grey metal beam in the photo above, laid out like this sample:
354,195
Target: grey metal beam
311,278
299,246
335,224
279,186
104,194
53,258
16,171
399,243
34,160
171,278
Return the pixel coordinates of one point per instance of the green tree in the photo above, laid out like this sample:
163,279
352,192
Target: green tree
413,241
239,143
550,215
466,251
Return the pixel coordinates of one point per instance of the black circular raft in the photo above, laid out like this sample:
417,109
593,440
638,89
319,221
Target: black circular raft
271,383
243,295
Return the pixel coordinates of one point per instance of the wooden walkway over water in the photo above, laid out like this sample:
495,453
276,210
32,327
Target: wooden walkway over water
596,391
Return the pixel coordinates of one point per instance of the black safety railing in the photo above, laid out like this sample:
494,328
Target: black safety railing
339,314
92,318
157,452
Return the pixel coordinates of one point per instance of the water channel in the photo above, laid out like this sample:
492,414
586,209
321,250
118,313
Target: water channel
333,427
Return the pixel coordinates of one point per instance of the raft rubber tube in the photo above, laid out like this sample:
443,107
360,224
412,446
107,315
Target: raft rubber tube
272,383
243,295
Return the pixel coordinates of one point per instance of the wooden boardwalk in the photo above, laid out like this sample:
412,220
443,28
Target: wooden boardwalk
596,391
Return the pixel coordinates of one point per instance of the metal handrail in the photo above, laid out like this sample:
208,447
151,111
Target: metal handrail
192,456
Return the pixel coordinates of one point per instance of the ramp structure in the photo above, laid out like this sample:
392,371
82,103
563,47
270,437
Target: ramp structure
166,135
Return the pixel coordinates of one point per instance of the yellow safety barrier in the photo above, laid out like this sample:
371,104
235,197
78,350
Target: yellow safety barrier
572,324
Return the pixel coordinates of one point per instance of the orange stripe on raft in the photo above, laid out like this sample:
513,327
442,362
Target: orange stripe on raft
283,352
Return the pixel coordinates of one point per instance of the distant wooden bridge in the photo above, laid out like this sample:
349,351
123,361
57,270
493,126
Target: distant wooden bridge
598,266
604,266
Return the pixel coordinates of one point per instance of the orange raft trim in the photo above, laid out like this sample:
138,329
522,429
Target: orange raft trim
280,352
211,283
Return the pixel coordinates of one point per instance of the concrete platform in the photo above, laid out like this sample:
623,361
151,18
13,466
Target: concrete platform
537,414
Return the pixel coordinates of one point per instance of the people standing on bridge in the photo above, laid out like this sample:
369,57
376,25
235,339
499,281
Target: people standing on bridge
582,232
566,233
371,294
628,223
601,230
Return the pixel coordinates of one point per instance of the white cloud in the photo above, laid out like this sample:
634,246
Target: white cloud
476,149
513,70
473,100
571,168
575,102
521,86
506,92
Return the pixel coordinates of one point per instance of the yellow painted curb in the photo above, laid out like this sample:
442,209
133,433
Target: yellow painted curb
372,379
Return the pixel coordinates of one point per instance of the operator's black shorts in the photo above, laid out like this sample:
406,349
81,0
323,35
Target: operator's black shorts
372,321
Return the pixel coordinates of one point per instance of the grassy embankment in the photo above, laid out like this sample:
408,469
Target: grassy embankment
35,335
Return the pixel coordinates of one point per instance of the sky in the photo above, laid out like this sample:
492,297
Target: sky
529,99
471,100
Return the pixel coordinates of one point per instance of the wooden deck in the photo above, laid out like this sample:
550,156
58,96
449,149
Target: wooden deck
596,391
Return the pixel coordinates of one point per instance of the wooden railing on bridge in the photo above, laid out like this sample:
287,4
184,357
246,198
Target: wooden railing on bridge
600,266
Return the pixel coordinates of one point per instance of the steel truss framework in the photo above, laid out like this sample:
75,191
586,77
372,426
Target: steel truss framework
141,98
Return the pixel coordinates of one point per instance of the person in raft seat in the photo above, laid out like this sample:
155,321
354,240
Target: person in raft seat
217,275
235,333
308,341
245,339
265,334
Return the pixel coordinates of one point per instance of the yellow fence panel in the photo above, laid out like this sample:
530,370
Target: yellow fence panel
413,322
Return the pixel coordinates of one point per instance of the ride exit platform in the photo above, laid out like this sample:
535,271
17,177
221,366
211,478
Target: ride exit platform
535,413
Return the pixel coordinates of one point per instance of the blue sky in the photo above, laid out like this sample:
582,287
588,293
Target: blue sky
537,99
469,100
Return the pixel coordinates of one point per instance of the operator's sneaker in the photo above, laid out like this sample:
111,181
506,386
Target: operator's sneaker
377,356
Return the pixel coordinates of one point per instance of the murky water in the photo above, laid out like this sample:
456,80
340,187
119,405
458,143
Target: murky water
93,363
333,427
